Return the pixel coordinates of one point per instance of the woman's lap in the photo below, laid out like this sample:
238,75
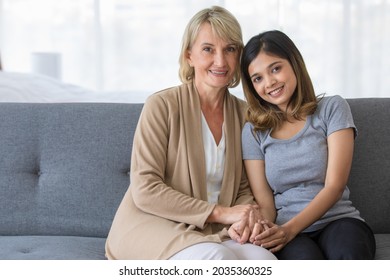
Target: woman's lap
227,250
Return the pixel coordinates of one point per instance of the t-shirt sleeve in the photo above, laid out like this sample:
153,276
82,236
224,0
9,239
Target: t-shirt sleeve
337,115
251,146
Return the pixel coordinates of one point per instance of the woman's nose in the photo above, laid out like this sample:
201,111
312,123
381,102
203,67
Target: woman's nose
219,58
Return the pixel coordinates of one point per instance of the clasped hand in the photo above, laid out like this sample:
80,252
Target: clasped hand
263,233
248,226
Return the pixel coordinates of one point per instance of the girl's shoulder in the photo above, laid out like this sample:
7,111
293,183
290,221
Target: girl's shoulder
328,104
330,99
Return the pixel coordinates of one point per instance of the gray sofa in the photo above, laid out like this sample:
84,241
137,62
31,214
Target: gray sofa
65,167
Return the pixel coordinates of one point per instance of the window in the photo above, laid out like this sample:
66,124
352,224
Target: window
132,45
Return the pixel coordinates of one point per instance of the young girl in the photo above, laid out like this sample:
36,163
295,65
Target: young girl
297,151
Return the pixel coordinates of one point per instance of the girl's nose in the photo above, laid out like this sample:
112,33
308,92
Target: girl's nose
270,81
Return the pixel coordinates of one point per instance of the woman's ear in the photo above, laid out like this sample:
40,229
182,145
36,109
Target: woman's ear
188,58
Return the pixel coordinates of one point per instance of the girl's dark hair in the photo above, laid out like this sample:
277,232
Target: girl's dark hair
303,102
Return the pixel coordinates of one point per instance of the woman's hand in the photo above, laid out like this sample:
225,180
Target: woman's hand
247,234
247,214
238,234
243,216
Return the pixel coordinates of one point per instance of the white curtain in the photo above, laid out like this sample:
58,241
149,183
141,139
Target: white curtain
133,45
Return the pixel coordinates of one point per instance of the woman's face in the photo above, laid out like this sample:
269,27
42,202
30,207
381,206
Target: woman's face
273,79
214,60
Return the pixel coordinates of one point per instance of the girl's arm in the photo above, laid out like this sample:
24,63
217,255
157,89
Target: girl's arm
262,192
255,170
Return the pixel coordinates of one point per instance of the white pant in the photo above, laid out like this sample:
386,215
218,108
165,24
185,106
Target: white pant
227,250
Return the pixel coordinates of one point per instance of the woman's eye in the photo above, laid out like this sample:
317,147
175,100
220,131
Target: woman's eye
207,49
231,49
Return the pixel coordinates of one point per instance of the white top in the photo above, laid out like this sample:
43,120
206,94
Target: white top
215,161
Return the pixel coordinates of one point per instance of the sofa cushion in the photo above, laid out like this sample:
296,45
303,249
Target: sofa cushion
370,176
51,248
64,168
382,246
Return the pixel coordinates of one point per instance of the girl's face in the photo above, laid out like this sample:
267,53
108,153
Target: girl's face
273,79
214,60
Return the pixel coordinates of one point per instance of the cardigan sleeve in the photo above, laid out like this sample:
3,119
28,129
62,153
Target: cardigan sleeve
150,191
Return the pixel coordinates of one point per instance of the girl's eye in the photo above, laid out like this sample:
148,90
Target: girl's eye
276,69
256,80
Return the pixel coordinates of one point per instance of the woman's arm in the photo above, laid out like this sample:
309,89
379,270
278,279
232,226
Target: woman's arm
150,189
340,153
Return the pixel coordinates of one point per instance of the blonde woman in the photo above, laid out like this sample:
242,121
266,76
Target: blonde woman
187,181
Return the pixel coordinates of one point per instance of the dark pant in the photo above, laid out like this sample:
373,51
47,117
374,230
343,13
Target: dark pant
343,239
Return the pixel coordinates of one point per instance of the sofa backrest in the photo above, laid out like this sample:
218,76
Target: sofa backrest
64,168
369,180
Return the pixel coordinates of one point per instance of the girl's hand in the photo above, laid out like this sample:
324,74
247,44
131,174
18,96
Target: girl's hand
275,237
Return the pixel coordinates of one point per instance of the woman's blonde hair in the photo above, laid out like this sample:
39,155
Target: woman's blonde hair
223,24
264,115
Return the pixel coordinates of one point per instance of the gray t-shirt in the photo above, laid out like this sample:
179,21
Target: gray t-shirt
296,168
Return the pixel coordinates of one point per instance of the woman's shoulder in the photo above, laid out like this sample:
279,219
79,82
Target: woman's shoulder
238,103
159,104
167,98
165,94
237,100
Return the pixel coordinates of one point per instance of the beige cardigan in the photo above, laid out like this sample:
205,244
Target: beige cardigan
165,208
